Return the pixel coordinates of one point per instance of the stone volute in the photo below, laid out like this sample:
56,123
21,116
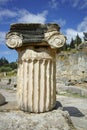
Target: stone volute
36,45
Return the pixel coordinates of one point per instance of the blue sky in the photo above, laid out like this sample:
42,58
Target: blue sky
71,15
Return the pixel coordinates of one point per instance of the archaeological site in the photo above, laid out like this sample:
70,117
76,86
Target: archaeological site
49,88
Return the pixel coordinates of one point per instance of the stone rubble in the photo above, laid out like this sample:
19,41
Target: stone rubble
18,120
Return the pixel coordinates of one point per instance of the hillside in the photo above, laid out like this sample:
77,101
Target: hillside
72,66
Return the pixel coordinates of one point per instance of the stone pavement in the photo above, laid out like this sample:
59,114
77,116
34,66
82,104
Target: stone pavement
77,108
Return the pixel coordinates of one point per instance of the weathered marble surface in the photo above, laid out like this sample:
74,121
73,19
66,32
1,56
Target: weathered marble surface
54,120
36,45
36,78
27,34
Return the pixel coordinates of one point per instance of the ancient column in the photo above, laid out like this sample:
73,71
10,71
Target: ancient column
36,45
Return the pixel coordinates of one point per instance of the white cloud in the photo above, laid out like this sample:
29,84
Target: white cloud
23,16
7,13
75,3
80,4
71,33
60,21
4,1
84,4
72,3
53,4
83,25
32,18
2,37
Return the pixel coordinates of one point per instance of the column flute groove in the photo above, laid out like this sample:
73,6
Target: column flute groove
48,87
30,85
36,84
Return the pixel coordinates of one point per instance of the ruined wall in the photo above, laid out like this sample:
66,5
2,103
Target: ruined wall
72,67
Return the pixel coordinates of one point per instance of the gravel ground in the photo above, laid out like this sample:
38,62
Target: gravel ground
77,108
11,118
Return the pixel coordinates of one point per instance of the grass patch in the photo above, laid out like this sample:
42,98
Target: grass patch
75,95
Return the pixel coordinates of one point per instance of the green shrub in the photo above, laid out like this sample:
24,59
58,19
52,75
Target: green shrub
5,69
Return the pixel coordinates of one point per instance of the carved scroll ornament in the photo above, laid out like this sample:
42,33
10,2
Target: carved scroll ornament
55,39
48,34
14,40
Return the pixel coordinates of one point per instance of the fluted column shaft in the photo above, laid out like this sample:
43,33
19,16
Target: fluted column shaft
36,80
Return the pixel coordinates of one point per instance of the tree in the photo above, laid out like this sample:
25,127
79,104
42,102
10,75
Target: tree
68,46
3,61
13,65
85,36
5,69
78,40
72,44
5,66
64,48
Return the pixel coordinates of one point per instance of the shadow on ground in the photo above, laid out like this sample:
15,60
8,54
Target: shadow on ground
73,111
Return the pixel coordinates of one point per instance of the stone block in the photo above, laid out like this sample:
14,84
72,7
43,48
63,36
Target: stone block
2,99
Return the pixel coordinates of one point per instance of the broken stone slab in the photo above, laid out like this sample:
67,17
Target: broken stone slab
71,89
2,99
